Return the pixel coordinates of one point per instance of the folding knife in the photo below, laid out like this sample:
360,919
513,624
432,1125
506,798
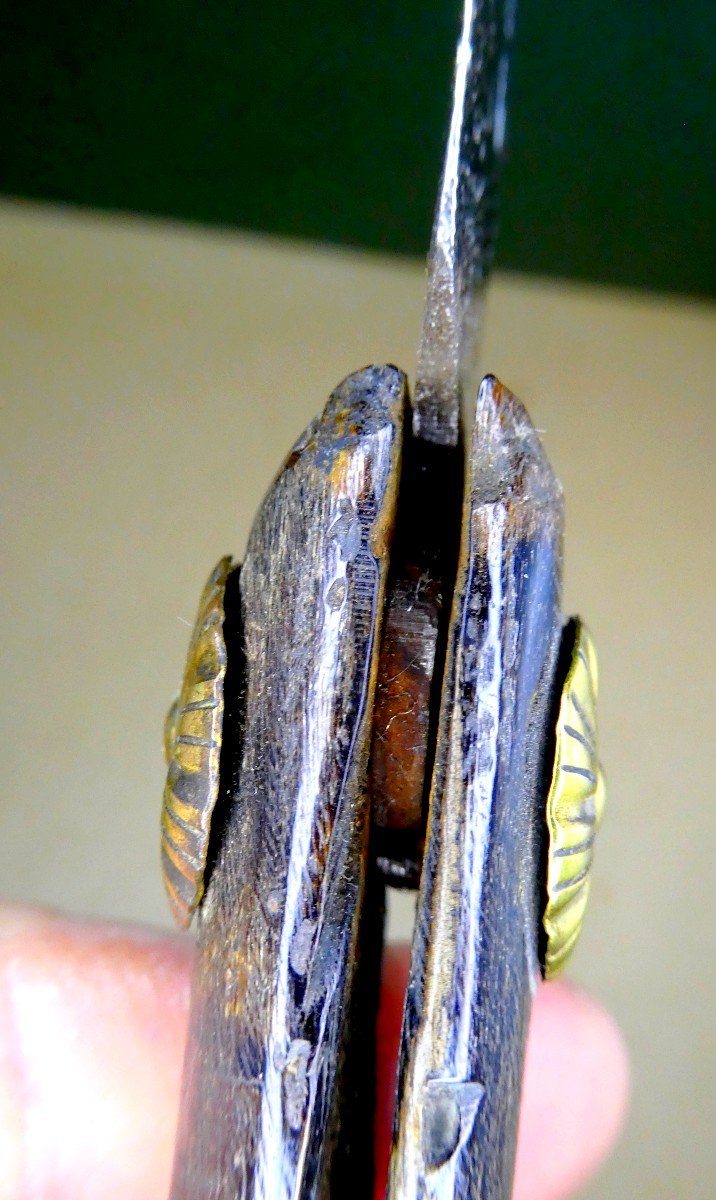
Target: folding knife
385,692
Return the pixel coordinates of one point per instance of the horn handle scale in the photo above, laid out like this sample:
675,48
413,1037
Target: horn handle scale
283,997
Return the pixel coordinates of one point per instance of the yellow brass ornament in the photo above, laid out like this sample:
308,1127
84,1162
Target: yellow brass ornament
575,805
192,743
170,729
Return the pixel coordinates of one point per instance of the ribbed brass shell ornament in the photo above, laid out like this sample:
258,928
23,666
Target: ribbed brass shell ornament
575,805
192,743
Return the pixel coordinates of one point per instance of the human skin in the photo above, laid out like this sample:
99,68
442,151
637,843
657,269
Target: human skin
93,1018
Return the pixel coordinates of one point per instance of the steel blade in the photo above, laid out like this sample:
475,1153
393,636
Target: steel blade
463,233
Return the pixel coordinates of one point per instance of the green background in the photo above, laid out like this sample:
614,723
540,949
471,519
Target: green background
326,120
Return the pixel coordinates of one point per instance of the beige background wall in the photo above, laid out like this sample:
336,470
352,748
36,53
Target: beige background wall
151,379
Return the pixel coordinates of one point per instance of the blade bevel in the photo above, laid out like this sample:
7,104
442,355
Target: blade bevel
463,234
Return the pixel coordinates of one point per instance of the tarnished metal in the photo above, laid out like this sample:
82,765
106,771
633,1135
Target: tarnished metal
424,558
575,803
463,236
192,744
422,573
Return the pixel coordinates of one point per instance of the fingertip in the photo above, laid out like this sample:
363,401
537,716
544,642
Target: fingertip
575,1088
93,1019
575,1093
92,1025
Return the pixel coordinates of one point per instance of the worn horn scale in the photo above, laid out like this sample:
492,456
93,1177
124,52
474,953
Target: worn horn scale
386,692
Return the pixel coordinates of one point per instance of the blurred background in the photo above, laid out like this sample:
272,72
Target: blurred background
327,120
211,214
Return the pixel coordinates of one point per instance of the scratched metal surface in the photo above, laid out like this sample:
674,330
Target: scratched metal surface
463,235
279,924
475,963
